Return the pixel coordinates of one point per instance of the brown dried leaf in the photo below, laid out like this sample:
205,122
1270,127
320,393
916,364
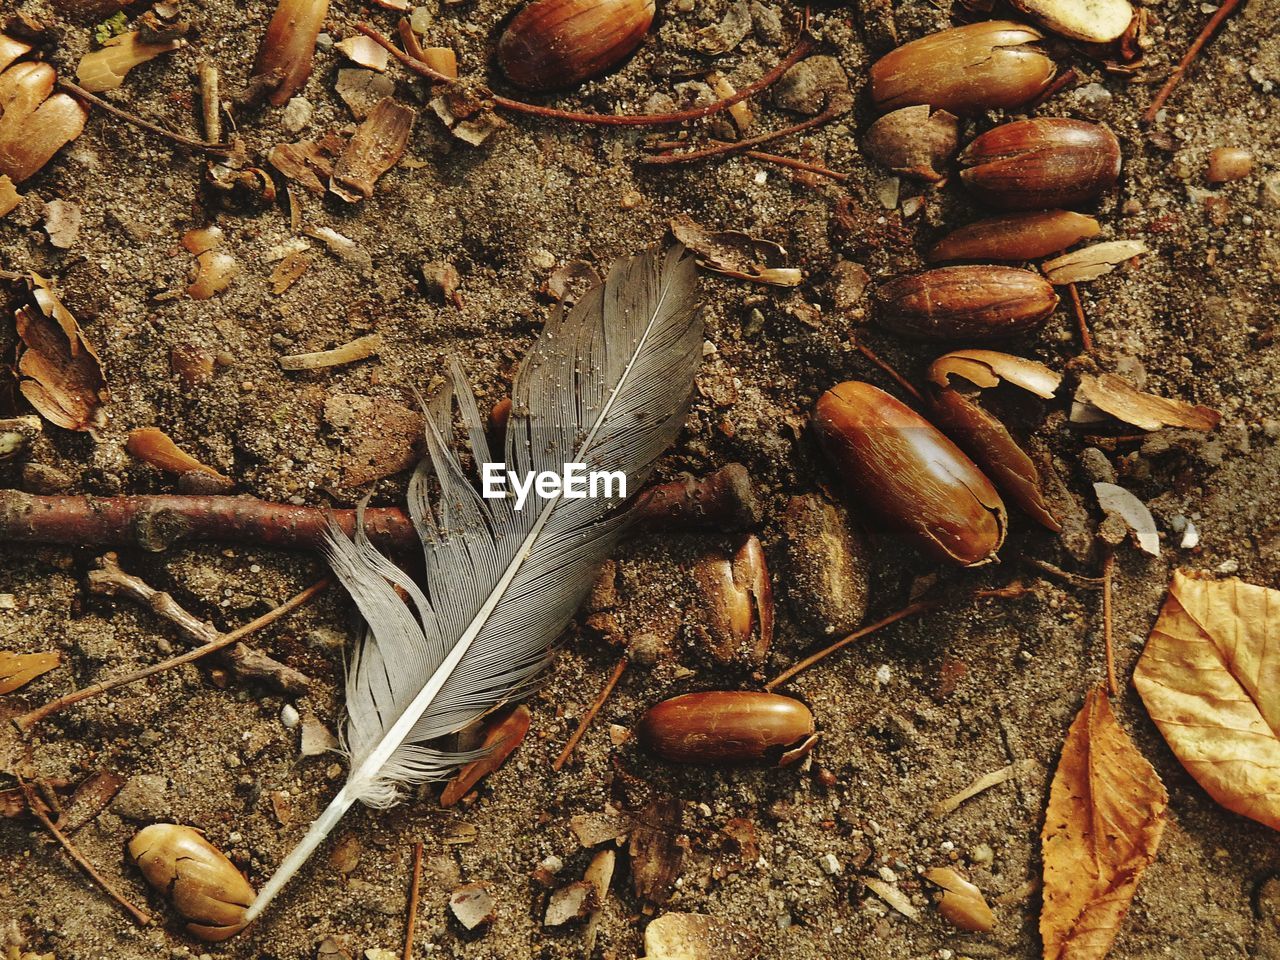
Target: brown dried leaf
1089,263
33,128
1208,677
309,163
986,368
376,147
154,446
61,375
1102,828
503,734
90,799
736,254
1116,396
19,669
105,69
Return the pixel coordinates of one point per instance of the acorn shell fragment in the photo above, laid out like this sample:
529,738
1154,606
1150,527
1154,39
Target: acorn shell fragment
202,884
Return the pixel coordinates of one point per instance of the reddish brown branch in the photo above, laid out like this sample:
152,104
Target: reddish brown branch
1060,82
803,47
888,368
1193,51
723,148
794,164
590,715
38,810
1082,322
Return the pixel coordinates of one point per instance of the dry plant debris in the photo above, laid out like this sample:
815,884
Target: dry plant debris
502,735
1102,828
152,445
987,368
1117,397
1135,514
695,936
961,902
105,68
61,375
373,149
35,122
1207,679
19,669
736,254
1089,263
204,886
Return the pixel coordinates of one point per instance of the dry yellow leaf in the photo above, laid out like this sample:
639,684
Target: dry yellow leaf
1105,817
17,669
962,902
1210,677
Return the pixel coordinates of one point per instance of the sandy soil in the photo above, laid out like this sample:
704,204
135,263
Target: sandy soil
1198,319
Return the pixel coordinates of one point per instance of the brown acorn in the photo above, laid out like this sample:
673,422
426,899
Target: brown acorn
1015,236
1041,163
202,884
729,727
966,70
965,303
905,477
552,44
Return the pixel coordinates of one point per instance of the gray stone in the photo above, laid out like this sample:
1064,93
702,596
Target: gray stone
143,798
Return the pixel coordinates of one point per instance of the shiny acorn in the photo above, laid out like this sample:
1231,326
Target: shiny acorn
552,44
966,70
1041,163
1015,237
729,727
202,884
965,303
905,477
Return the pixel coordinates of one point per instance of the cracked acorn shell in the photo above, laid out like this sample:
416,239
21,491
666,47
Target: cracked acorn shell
552,44
202,884
905,478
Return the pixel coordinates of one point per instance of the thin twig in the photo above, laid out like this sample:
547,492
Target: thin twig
1086,338
803,47
1066,576
888,368
912,608
37,809
80,93
414,884
1060,82
31,718
590,715
1108,575
795,164
1205,35
723,148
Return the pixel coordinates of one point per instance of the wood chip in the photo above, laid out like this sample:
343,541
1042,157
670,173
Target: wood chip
359,349
892,896
943,807
656,852
1116,396
376,147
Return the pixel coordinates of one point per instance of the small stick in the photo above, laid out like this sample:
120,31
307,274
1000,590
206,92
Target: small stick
1066,576
803,47
888,368
724,148
28,720
590,715
1086,338
912,608
412,920
795,164
1060,82
37,809
1108,572
210,101
1205,35
80,93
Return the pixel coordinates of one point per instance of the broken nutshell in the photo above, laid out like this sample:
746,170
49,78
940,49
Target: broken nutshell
726,727
907,477
737,614
1015,236
1041,163
552,44
966,70
827,566
915,141
977,302
202,884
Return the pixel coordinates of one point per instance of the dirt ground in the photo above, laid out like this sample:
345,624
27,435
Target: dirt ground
908,717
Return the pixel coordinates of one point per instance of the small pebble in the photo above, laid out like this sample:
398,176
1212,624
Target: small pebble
296,114
1227,566
830,865
289,716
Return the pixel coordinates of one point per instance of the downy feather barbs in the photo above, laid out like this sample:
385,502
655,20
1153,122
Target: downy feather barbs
607,386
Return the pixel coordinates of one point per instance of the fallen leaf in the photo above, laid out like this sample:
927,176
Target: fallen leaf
154,446
1208,677
736,254
18,669
986,368
656,852
1117,500
1089,263
1102,828
61,373
34,125
373,149
1116,396
503,734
